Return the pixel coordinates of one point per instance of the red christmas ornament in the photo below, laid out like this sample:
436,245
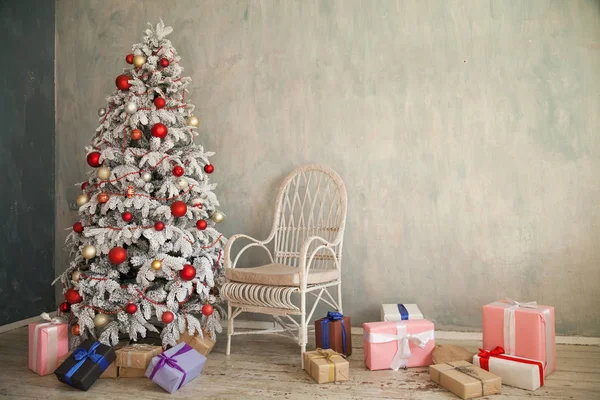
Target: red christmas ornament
201,224
65,307
84,185
76,330
102,197
129,58
77,227
159,130
93,159
72,296
122,82
164,62
207,309
167,317
127,216
209,168
136,134
117,255
178,170
131,308
159,225
187,273
159,102
178,208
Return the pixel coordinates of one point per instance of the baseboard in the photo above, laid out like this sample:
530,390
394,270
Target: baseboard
23,322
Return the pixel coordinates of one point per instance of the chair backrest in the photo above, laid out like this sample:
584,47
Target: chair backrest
312,201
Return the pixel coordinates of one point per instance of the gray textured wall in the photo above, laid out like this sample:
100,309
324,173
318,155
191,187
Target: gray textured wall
467,133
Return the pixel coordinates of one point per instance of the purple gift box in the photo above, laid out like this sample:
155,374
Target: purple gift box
175,367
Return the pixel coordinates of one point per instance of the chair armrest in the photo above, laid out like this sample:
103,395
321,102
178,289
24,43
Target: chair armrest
255,242
305,263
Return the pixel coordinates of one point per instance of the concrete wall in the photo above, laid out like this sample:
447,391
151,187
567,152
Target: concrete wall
467,133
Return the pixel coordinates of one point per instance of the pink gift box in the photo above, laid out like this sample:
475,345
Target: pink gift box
398,344
522,329
48,341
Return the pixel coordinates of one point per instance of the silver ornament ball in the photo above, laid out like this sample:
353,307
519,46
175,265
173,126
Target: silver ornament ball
218,216
101,112
181,183
130,107
88,252
146,176
101,320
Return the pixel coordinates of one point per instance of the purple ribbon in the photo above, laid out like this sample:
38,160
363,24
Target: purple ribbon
171,362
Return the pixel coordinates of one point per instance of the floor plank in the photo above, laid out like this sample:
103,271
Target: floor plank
268,367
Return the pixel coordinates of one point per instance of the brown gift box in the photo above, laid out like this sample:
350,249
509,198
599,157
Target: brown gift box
202,345
465,380
335,335
125,372
110,372
326,366
137,356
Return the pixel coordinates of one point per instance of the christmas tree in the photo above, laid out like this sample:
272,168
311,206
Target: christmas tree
145,249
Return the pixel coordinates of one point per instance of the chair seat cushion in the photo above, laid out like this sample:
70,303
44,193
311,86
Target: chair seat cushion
279,275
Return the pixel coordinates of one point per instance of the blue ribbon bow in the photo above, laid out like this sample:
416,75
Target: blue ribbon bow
403,312
81,355
171,362
332,316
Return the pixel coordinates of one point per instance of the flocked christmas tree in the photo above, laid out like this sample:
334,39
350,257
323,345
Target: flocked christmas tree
145,249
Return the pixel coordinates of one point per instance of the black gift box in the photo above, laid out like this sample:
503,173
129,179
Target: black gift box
89,371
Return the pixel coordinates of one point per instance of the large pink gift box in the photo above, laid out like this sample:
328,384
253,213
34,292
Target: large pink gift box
522,329
48,342
398,344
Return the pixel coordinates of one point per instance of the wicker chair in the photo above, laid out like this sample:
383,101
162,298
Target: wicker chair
307,236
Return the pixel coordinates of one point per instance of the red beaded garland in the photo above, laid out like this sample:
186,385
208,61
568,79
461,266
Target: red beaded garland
178,170
178,208
187,273
93,159
201,224
167,317
159,225
207,309
117,255
159,102
77,227
209,168
129,58
131,308
127,216
159,130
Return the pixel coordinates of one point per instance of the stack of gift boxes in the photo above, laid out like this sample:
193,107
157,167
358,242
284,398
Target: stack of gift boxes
518,348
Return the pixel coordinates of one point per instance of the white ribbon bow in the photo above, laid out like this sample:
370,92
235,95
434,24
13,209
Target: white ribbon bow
55,320
509,323
404,339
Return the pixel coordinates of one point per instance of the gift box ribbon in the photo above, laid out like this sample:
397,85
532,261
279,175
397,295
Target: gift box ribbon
404,339
81,355
403,312
510,328
327,355
171,362
332,316
498,352
466,370
52,332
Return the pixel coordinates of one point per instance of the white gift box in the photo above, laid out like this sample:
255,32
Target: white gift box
400,312
520,372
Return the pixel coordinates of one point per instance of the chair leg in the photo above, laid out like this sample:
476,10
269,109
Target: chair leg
229,328
339,290
303,331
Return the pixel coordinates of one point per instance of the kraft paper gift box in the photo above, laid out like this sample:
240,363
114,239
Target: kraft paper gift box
48,341
400,344
125,372
521,329
175,367
465,380
133,359
202,345
514,371
400,312
85,365
326,366
334,332
109,373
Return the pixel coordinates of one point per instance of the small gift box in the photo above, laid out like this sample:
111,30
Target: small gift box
133,359
514,371
465,380
175,367
202,345
400,312
48,341
400,344
109,373
333,332
522,330
326,365
125,372
82,368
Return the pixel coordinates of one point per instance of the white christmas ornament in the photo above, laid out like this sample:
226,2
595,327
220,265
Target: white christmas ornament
181,183
101,112
130,107
146,176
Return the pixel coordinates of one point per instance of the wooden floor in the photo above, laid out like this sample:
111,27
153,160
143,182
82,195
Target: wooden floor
268,367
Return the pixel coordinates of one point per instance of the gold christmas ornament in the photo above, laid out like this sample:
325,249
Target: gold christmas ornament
193,121
76,275
103,173
156,265
88,252
82,199
139,61
181,183
101,320
218,216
